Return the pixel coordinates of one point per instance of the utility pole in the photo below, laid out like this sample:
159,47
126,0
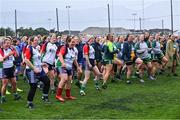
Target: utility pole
57,19
49,20
112,17
134,15
5,32
140,23
15,23
163,26
143,19
109,19
69,25
172,22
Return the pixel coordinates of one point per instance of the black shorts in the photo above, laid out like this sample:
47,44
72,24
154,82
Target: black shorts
50,67
92,62
9,73
129,62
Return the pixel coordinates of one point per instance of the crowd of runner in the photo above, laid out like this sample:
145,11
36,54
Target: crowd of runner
55,63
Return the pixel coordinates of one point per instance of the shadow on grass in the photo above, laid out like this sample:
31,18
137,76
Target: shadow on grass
148,100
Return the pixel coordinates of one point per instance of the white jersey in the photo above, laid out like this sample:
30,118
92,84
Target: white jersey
69,58
91,52
8,63
50,54
35,58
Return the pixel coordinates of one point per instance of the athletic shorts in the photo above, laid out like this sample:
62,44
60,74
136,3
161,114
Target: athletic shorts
92,62
8,73
106,62
129,62
65,71
159,56
146,60
50,67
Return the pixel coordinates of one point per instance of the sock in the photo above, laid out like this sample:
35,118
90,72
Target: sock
137,72
68,92
59,92
29,102
83,87
3,96
15,94
52,88
45,96
96,82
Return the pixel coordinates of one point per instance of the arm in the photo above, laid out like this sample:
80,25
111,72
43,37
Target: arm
15,51
1,58
42,51
156,50
60,55
86,52
137,49
28,63
11,53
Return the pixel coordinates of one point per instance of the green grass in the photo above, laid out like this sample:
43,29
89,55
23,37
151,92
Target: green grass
151,100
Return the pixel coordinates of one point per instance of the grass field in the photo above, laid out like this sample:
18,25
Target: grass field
151,100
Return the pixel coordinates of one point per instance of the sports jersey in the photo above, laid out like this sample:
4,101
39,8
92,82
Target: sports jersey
50,53
8,62
142,50
33,55
69,56
89,50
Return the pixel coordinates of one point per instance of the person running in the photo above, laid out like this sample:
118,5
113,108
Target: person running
109,51
80,60
126,55
142,51
34,72
66,58
172,55
98,51
119,45
8,52
158,55
89,56
49,51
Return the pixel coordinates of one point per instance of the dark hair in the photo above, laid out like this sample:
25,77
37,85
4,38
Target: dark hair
108,36
126,39
170,35
31,39
14,41
68,39
44,38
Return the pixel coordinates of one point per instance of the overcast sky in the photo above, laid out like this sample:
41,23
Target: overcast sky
88,13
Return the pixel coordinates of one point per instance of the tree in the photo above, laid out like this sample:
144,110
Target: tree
41,31
6,32
25,32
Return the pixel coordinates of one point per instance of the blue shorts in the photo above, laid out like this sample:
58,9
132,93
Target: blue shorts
61,70
33,77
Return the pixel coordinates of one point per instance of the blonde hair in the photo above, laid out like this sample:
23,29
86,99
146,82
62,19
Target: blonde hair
1,41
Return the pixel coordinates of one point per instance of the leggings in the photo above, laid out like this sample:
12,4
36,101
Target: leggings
33,87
